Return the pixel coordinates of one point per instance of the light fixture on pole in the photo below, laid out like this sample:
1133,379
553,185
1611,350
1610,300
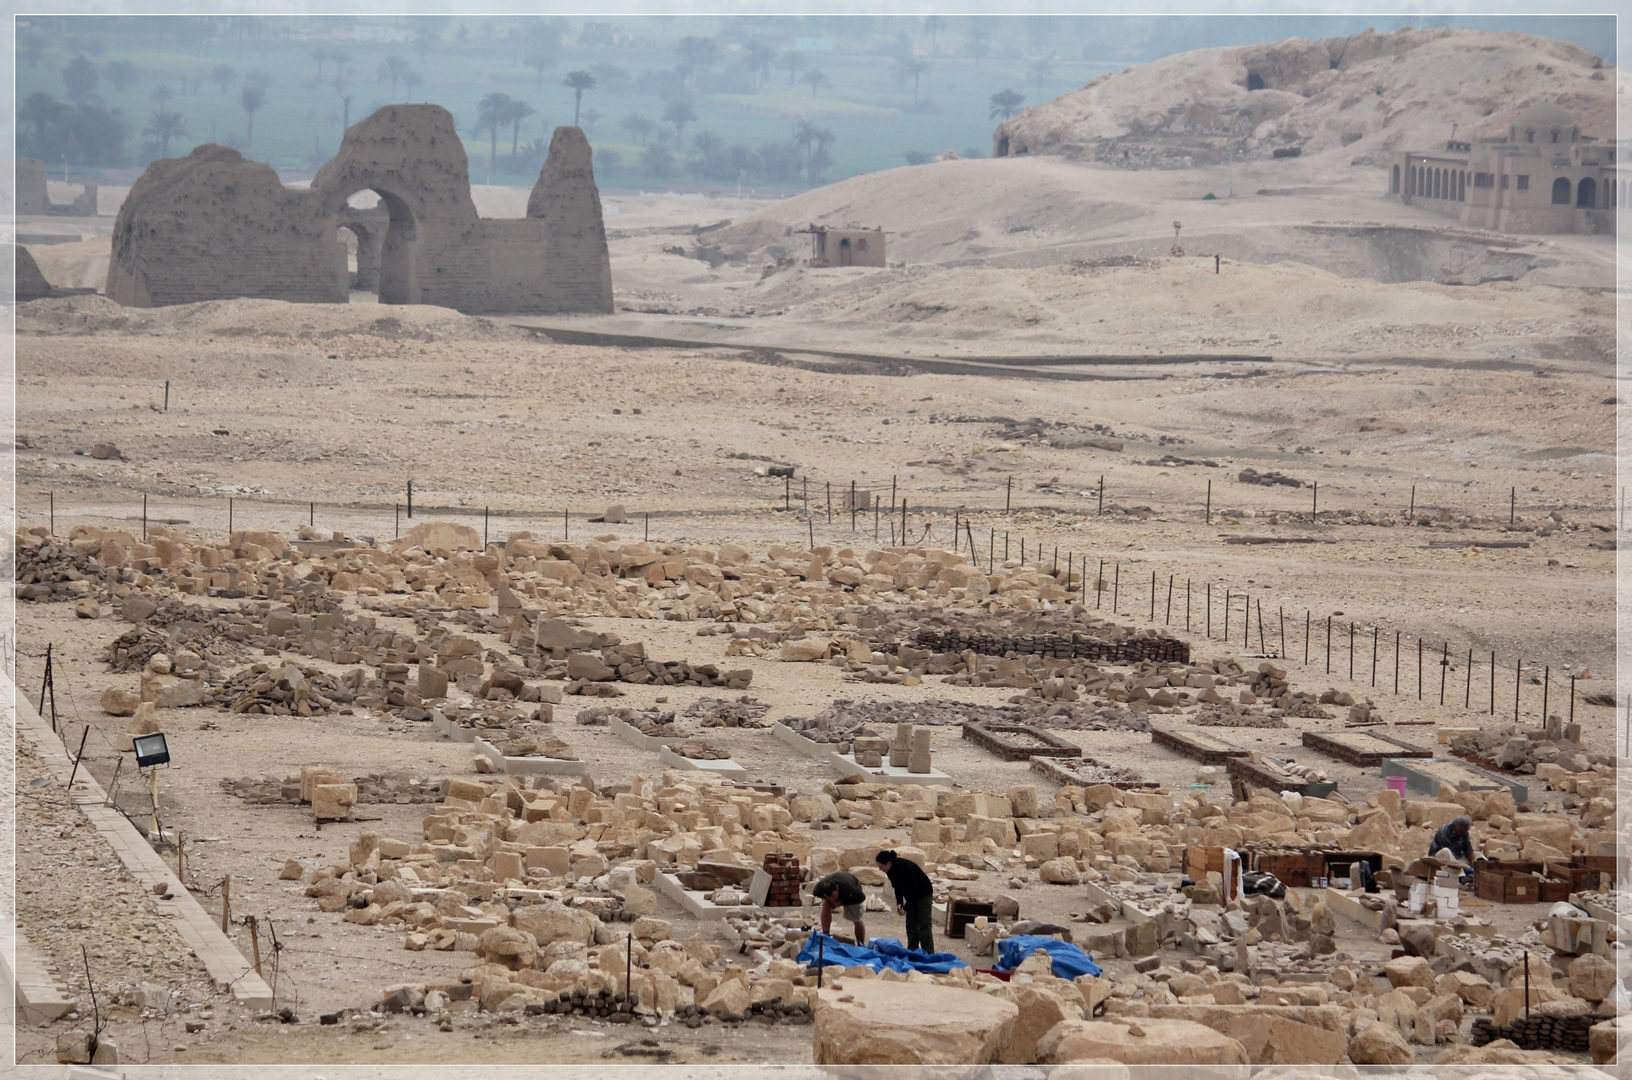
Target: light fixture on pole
152,751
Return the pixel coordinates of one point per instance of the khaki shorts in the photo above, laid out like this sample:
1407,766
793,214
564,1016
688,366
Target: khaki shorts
853,912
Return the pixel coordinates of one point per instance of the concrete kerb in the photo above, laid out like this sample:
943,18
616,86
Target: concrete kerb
518,766
723,767
220,957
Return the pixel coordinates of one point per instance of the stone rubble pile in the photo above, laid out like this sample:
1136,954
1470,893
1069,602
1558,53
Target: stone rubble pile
398,788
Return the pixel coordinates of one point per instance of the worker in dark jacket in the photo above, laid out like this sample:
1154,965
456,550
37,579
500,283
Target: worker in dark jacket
1453,837
914,897
842,890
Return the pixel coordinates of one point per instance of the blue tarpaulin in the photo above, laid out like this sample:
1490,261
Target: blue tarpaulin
878,954
1068,960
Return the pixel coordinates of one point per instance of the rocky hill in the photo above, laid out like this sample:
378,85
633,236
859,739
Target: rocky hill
1361,95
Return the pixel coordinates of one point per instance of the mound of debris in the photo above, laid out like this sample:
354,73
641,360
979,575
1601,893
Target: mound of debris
54,570
1268,479
1505,747
745,712
288,690
399,788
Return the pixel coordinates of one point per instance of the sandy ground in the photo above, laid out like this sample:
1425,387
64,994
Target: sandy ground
1489,393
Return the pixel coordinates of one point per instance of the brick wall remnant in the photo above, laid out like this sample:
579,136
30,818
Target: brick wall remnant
214,226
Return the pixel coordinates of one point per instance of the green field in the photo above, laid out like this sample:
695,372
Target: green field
733,72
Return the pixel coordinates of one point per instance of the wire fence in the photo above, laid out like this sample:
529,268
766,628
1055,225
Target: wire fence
1396,660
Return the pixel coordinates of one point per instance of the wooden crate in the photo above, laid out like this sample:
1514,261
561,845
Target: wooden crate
1507,882
961,911
1292,869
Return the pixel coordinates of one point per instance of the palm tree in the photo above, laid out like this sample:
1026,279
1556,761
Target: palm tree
162,93
121,73
820,158
491,111
164,127
80,79
223,76
393,69
816,79
539,60
322,57
758,57
679,113
637,126
251,98
793,60
519,110
1004,104
910,67
708,146
578,82
1040,69
39,109
934,24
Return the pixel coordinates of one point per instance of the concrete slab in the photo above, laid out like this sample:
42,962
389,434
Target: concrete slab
695,903
845,765
718,767
450,730
528,766
808,747
1425,775
38,996
640,740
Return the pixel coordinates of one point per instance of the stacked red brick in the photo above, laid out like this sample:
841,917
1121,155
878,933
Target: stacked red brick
785,875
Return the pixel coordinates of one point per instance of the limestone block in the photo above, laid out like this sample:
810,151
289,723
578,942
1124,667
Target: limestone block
1040,1009
1380,1044
582,665
1467,986
805,649
1058,872
872,1022
1602,1039
333,802
1591,977
552,921
432,682
116,702
1409,971
1139,1041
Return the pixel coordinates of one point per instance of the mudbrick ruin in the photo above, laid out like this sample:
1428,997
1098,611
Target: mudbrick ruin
213,226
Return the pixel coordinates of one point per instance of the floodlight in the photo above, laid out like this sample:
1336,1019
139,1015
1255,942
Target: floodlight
151,750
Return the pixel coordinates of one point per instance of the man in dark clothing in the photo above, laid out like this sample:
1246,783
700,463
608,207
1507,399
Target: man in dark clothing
844,890
1453,837
914,897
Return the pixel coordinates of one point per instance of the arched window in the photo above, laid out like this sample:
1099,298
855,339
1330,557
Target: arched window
1394,185
1561,192
1529,136
1586,194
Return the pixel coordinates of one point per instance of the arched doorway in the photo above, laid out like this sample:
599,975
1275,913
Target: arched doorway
1586,195
385,238
846,255
362,254
1561,192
